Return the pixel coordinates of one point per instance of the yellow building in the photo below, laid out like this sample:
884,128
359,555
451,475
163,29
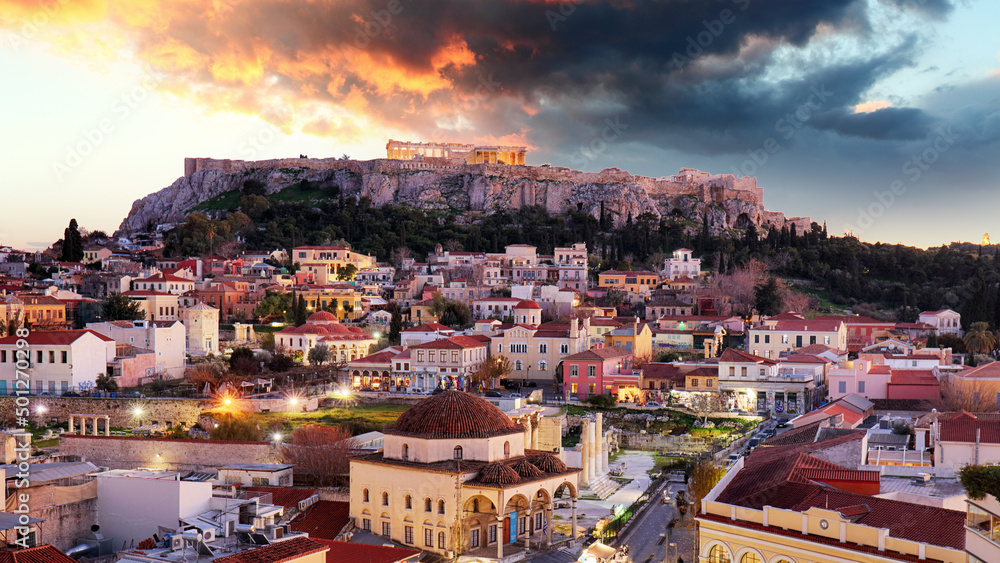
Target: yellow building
345,343
458,477
37,311
781,504
637,337
420,313
322,261
341,301
632,282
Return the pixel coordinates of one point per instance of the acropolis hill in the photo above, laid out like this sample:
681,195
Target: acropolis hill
438,184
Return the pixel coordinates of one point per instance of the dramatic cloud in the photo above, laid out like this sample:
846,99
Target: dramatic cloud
712,76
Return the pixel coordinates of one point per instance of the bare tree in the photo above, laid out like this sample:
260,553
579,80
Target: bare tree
966,395
705,404
741,286
320,453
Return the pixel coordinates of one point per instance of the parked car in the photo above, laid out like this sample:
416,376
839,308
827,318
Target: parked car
654,404
494,394
666,497
514,395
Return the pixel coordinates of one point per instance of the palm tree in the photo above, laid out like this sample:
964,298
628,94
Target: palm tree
979,339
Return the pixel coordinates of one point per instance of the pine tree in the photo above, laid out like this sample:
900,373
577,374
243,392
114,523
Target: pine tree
72,250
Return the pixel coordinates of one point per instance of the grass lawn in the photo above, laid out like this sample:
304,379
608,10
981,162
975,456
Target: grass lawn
46,443
663,461
226,200
372,417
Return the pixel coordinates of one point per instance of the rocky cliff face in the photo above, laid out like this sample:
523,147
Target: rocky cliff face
729,203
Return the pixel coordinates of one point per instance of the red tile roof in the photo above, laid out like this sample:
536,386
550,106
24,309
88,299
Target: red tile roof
53,337
528,304
601,354
288,550
345,552
283,496
805,359
452,342
737,356
453,414
803,326
913,377
781,478
323,520
850,416
962,427
429,327
39,554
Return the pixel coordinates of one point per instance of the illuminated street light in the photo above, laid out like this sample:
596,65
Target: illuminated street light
277,436
137,411
42,409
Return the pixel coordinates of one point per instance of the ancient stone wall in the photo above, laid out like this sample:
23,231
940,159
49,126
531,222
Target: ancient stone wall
159,453
63,524
175,411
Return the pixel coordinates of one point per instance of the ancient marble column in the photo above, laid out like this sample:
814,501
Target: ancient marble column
96,433
595,450
574,520
71,417
601,448
107,425
527,433
585,453
500,536
534,433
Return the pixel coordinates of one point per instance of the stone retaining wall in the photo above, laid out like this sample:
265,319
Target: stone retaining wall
159,453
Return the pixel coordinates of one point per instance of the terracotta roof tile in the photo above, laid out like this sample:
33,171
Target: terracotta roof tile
346,552
323,520
453,414
288,550
39,554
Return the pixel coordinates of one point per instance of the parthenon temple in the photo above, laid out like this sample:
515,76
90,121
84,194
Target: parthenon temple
470,154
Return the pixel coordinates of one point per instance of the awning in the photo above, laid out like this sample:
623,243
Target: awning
600,551
10,521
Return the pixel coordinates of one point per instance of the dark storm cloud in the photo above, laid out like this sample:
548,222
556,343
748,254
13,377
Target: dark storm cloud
932,8
897,124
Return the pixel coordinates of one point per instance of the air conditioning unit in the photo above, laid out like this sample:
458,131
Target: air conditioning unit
279,533
228,528
176,542
303,504
208,535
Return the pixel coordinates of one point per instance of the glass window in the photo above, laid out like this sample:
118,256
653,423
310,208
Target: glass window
718,554
474,537
428,537
750,557
408,535
458,452
386,529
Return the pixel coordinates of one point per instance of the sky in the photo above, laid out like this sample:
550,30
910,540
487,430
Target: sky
880,117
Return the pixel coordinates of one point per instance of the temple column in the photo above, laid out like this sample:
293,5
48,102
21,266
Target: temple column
500,536
548,523
573,527
107,425
585,453
527,433
96,433
534,435
71,424
600,446
595,449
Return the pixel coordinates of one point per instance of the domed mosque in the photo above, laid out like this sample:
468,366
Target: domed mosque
454,478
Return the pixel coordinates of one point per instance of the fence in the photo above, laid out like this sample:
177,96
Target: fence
613,529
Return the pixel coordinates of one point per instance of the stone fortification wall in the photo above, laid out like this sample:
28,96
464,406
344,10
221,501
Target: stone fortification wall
436,183
175,411
159,453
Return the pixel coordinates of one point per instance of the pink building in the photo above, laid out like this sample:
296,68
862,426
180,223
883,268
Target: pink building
882,381
602,371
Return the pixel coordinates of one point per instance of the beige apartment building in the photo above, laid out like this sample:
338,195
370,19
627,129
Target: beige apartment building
787,335
534,353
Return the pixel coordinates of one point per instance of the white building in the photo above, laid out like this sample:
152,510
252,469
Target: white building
682,264
944,321
257,474
132,504
58,361
166,339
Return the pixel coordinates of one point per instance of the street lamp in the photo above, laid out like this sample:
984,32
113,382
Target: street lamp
672,546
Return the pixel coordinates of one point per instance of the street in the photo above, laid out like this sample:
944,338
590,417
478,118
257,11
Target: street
648,539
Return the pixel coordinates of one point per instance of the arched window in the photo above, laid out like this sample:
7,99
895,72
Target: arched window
364,495
718,554
440,507
408,502
427,504
458,452
543,365
517,365
385,498
750,557
440,540
406,451
506,449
